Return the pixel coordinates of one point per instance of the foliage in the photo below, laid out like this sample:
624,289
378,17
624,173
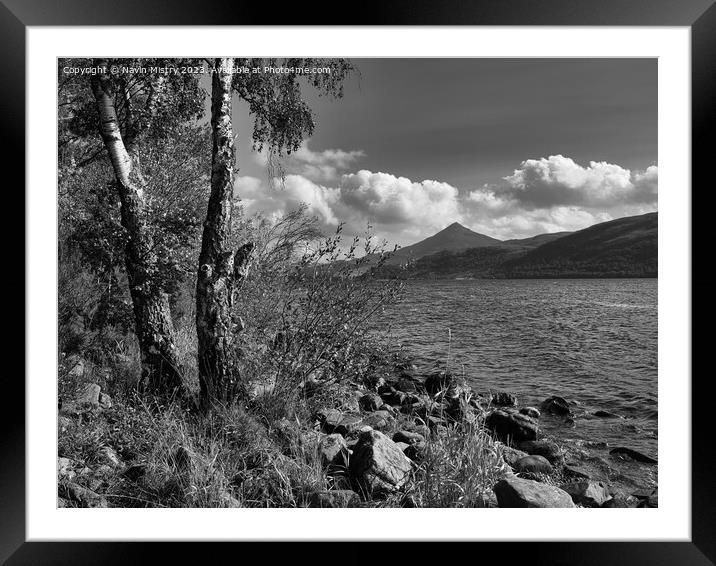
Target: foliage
306,309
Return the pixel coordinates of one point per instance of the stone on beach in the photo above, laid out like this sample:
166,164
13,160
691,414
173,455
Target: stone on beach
378,465
517,492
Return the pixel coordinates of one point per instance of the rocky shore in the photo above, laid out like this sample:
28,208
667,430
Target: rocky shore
378,444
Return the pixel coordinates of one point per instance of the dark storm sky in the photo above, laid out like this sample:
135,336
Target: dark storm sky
468,123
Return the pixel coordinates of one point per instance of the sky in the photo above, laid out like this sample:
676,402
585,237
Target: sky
509,148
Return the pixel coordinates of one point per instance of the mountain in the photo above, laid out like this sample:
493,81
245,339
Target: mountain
454,238
626,247
536,241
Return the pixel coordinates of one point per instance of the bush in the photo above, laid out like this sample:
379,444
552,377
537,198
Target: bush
306,310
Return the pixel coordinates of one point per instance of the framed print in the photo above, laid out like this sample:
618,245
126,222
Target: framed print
405,267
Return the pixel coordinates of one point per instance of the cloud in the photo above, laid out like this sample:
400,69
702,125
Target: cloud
398,202
543,195
559,181
319,166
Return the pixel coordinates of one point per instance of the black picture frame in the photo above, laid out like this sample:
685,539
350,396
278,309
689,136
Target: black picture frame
699,15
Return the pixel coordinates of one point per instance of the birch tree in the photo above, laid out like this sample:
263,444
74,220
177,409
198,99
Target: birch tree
154,326
282,120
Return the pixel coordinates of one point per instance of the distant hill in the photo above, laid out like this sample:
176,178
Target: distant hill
454,238
627,247
536,241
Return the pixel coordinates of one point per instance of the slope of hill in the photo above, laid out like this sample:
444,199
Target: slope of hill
626,247
536,241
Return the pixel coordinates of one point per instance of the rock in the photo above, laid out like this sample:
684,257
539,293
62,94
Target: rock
633,454
587,493
379,420
370,402
81,495
333,450
438,382
556,406
546,448
408,437
392,396
647,499
105,401
377,464
329,419
517,492
503,399
403,446
536,464
408,384
89,396
530,412
572,471
348,424
621,500
511,426
607,415
512,455
416,452
334,498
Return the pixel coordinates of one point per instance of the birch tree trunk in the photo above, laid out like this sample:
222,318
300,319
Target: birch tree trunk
220,269
155,329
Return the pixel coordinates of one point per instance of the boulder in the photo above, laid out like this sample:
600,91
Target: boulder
632,454
511,425
606,415
504,399
408,437
370,402
517,492
587,493
621,500
556,406
534,464
378,465
438,382
349,424
329,419
546,448
333,450
512,455
334,498
530,412
392,396
379,420
407,383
